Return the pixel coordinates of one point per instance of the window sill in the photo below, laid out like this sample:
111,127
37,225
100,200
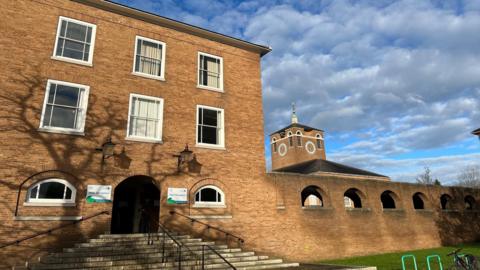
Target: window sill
203,87
211,217
392,210
358,209
61,131
47,218
73,61
148,76
423,211
210,146
316,208
52,204
205,205
145,140
450,210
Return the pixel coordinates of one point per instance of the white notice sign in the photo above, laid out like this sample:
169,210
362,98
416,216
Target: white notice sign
177,196
99,193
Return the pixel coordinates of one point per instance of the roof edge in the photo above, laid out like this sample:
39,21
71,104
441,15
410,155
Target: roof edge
339,175
175,25
476,132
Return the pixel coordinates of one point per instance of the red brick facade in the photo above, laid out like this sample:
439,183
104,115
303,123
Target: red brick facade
265,209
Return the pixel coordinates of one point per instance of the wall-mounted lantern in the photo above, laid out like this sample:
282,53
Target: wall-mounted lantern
187,161
107,149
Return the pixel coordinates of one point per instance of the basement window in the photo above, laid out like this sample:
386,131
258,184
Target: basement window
64,107
51,191
210,72
75,41
209,196
210,132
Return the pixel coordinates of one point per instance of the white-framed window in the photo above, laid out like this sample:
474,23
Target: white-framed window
145,118
53,191
299,138
210,123
64,107
149,58
210,72
75,41
209,196
290,138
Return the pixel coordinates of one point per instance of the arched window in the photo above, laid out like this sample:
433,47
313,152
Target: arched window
418,200
352,199
51,191
290,138
388,202
209,196
274,145
311,197
469,202
299,138
319,141
446,202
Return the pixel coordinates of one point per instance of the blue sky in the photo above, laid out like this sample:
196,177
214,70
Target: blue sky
395,84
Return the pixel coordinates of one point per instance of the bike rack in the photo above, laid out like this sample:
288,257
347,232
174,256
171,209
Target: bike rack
438,260
405,257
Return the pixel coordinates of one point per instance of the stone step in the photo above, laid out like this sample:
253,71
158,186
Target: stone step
222,248
137,242
186,262
134,239
135,235
50,259
134,246
269,266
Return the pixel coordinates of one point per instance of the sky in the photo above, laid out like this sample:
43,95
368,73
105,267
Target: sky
394,84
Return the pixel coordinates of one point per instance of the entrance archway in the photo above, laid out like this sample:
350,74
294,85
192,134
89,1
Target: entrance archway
136,205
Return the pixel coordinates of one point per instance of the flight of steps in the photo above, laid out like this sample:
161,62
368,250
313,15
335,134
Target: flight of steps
133,251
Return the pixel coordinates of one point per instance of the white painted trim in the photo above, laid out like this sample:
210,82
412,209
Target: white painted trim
280,152
208,205
160,119
203,204
47,218
83,105
146,75
314,147
286,137
145,140
52,202
211,217
40,204
92,43
221,145
220,89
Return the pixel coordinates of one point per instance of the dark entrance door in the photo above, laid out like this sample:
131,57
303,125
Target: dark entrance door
136,205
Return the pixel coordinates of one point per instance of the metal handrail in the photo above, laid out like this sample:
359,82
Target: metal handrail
18,241
227,234
218,254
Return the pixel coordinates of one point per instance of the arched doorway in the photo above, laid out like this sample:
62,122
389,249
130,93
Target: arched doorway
136,205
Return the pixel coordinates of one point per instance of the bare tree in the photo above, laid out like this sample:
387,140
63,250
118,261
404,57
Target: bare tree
426,177
469,177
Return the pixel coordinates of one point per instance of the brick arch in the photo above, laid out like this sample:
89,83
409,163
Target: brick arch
389,199
420,201
361,196
446,201
317,191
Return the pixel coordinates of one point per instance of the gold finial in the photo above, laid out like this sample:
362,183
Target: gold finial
294,114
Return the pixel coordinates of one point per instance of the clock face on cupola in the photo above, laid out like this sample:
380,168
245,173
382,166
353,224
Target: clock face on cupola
296,143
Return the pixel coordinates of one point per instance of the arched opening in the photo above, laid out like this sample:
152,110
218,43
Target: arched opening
290,138
209,196
319,141
446,202
352,199
388,202
299,138
418,200
311,197
469,203
136,205
274,145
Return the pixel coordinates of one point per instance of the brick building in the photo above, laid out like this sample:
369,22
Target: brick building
100,96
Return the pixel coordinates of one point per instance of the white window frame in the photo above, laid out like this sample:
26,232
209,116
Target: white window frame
146,75
92,43
297,135
219,89
221,138
84,106
220,204
160,120
51,202
290,139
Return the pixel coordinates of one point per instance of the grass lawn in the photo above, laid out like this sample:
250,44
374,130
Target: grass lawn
391,261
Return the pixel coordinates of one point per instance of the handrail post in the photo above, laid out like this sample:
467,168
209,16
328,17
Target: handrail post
179,257
163,246
203,257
